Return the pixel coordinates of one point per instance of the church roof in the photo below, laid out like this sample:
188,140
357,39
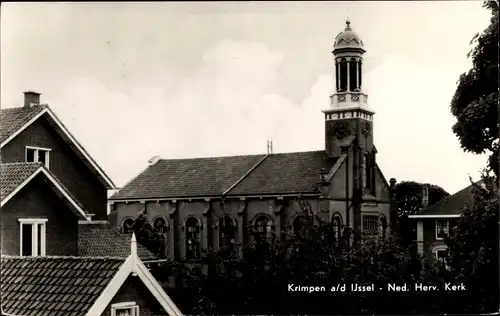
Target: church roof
348,39
282,173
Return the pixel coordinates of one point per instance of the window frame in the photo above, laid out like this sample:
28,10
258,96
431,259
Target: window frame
123,225
155,226
34,223
447,228
36,154
195,237
268,227
221,230
131,306
373,232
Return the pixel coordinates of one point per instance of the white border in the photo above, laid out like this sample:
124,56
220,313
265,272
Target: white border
46,110
41,169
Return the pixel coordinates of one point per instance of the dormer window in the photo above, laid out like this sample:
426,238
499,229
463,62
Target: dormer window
38,154
32,237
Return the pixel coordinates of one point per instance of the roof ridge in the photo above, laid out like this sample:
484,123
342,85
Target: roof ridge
243,155
245,175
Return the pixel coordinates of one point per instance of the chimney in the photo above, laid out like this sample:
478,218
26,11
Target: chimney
425,196
31,98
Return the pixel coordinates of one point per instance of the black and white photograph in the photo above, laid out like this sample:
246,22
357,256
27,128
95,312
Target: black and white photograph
249,158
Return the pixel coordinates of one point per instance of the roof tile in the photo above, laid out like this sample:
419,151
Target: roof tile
107,240
252,174
31,294
12,119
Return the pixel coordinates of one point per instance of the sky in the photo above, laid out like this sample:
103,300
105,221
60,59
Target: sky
180,80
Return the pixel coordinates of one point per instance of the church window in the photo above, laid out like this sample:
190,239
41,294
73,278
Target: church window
337,76
227,233
160,225
337,227
192,238
370,224
262,227
343,75
127,226
369,174
300,224
352,75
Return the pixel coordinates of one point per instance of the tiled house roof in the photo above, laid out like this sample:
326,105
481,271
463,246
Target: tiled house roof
56,286
12,119
106,240
241,175
453,204
13,174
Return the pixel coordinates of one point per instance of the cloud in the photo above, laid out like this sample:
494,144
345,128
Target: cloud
229,107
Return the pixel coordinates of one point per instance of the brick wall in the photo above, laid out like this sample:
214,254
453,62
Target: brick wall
36,199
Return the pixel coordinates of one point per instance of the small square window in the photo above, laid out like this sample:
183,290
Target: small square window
35,154
125,309
442,229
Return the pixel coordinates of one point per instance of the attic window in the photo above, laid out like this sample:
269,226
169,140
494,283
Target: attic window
125,309
38,154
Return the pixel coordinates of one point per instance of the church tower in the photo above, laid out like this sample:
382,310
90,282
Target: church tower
349,121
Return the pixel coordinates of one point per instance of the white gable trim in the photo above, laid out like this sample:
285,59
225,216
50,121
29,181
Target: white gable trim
68,134
55,183
133,266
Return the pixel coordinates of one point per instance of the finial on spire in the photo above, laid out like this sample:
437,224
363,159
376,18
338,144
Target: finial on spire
133,245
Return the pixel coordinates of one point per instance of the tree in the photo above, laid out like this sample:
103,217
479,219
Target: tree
146,235
409,202
475,103
473,249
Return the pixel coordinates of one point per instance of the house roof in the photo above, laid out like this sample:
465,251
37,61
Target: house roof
68,286
234,175
14,176
98,239
14,120
451,205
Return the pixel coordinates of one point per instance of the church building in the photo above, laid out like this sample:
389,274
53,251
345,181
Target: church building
219,202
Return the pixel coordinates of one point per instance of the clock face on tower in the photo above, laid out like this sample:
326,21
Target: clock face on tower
341,130
366,129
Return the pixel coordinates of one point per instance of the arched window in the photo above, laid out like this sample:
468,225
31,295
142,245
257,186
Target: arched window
227,233
337,76
382,226
160,225
300,224
343,74
192,238
127,226
352,75
337,227
262,227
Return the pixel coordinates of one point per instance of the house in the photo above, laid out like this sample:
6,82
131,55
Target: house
219,202
81,286
50,186
434,222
